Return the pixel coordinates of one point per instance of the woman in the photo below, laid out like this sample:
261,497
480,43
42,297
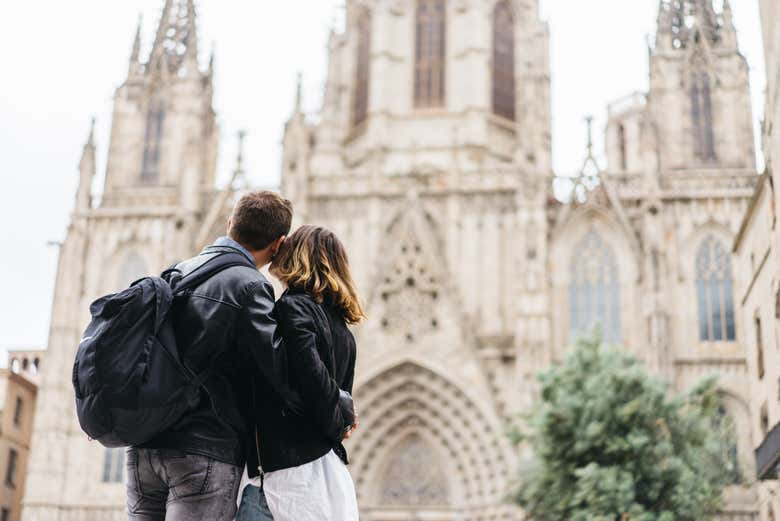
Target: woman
305,475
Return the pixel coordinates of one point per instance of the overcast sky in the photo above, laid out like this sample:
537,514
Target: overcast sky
62,61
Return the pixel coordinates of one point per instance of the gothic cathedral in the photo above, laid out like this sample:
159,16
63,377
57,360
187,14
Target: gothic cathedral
431,159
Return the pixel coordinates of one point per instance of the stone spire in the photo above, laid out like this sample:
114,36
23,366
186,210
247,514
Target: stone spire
135,58
212,59
728,30
299,94
176,43
680,21
87,171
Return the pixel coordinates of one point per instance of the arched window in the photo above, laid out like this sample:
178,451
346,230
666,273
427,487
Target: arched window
701,115
430,53
415,476
503,61
362,67
131,269
723,424
155,120
714,290
594,290
114,465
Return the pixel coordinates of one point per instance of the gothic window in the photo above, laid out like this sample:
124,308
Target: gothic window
415,476
622,147
430,52
362,67
594,290
715,288
155,119
701,115
131,269
503,61
114,465
724,425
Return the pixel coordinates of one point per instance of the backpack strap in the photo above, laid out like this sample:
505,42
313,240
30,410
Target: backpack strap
195,278
208,269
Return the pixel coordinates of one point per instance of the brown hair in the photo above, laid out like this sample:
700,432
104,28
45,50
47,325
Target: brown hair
259,219
314,261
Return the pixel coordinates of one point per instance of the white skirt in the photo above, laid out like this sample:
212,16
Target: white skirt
321,490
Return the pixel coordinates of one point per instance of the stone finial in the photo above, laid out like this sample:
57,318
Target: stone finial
299,94
135,54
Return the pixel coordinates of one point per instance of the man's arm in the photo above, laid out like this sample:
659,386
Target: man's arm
261,336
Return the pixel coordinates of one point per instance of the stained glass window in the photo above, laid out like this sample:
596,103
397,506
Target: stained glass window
155,120
362,67
114,465
701,114
430,50
503,61
714,291
594,290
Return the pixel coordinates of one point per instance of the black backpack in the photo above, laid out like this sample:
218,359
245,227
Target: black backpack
131,382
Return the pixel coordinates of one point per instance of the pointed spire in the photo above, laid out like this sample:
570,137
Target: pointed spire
87,171
212,58
176,41
299,94
191,35
239,174
135,54
137,42
91,138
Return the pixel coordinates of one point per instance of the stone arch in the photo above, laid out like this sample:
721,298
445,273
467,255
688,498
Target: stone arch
410,400
739,411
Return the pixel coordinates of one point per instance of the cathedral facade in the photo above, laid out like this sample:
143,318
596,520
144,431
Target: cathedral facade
431,159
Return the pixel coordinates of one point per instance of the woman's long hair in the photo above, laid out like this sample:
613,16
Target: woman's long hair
314,261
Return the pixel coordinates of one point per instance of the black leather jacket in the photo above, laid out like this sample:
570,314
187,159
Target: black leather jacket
315,334
227,324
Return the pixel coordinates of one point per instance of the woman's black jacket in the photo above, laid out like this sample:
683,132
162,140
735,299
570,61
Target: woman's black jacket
284,440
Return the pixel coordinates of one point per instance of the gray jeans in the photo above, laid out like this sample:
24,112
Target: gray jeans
169,485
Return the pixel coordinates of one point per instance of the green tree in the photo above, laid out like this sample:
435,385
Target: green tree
610,443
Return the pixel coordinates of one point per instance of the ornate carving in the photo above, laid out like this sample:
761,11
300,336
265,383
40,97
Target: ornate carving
410,286
415,476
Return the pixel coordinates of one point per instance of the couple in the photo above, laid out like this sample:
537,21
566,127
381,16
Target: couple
277,398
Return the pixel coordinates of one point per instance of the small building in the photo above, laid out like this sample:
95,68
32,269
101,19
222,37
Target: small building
18,391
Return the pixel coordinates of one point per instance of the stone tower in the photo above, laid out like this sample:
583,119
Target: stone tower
431,159
647,252
159,199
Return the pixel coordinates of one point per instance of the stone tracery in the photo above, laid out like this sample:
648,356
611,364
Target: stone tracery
409,286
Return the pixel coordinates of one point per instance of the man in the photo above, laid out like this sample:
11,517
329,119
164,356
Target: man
225,325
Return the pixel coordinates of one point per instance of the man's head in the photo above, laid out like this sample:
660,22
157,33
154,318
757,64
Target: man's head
260,222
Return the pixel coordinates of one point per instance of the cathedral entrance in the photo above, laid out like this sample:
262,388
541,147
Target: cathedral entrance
427,452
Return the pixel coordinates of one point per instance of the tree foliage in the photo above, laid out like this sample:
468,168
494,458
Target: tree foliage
611,443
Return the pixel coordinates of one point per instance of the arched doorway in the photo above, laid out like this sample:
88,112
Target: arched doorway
427,451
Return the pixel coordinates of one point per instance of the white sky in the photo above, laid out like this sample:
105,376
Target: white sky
62,61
